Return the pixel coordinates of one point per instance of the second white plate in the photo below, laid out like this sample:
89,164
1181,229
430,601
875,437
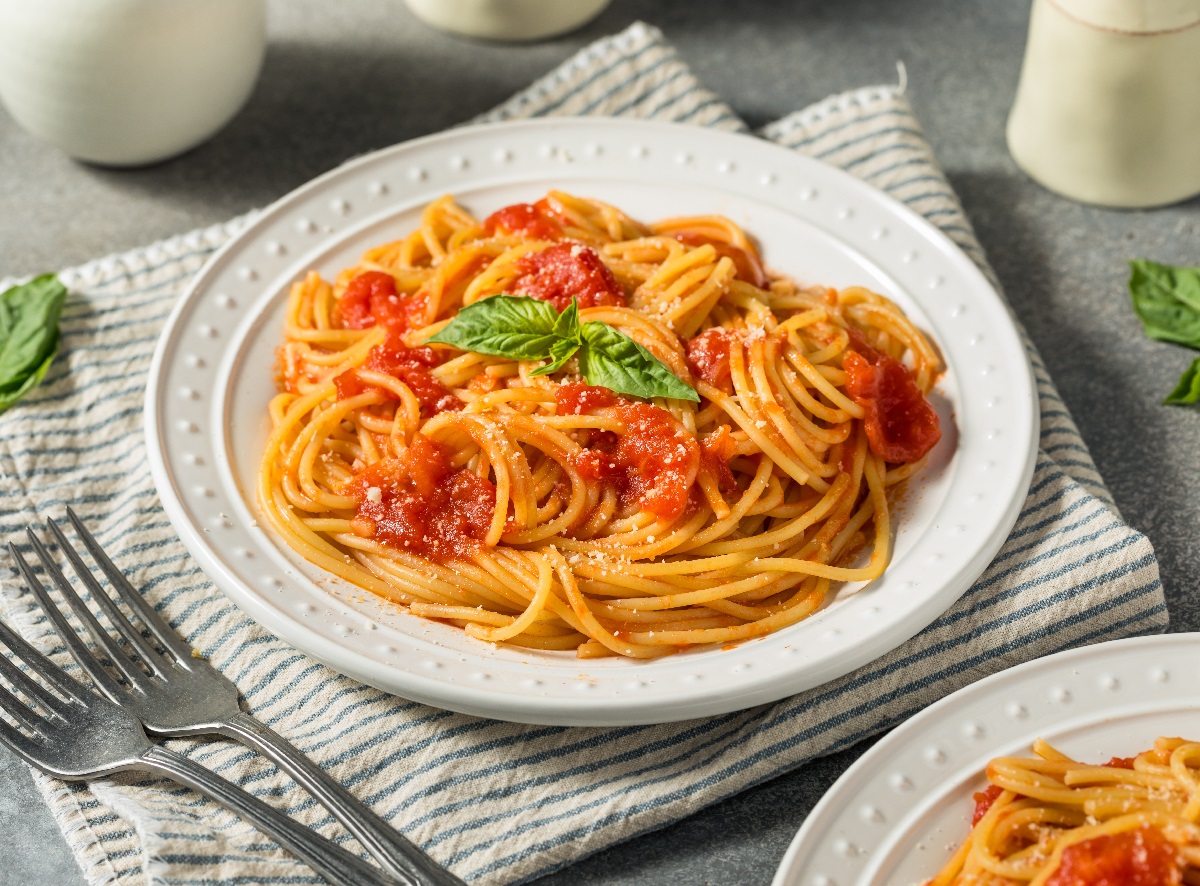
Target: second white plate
897,815
213,376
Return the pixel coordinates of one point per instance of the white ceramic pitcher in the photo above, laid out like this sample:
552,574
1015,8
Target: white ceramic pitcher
1108,106
128,82
512,20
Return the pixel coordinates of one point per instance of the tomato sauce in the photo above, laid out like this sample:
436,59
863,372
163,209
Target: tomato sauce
483,383
371,299
983,802
411,366
576,398
289,371
1120,763
660,460
746,262
419,503
653,463
566,270
536,220
598,461
846,462
716,451
708,356
1141,857
900,423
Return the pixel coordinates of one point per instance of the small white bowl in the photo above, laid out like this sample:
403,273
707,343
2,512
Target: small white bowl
506,19
128,82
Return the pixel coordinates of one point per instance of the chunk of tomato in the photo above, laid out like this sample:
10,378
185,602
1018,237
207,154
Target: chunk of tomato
1140,857
565,271
900,423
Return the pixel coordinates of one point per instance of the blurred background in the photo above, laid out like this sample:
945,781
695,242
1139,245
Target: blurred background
342,79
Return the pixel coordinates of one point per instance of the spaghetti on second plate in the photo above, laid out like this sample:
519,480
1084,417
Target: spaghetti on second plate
539,510
1053,821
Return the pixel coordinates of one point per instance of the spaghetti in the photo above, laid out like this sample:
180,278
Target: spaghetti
1052,821
545,512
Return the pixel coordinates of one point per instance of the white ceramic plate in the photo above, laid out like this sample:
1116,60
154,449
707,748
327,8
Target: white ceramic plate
212,378
897,815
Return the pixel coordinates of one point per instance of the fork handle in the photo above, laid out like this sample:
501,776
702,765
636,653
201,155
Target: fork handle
332,862
391,848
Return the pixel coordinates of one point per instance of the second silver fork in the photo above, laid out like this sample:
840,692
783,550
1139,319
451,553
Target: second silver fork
185,695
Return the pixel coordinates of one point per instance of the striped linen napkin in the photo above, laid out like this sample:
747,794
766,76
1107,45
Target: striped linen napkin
498,802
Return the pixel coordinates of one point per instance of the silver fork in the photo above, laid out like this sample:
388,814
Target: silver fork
185,695
81,735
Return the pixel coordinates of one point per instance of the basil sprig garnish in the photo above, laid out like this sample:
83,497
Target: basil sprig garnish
523,328
28,335
1167,300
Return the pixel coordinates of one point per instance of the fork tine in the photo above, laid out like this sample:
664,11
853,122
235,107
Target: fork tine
19,744
132,635
162,631
44,667
22,713
23,683
74,643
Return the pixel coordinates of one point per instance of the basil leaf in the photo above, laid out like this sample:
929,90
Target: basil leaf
560,352
518,327
1188,389
612,359
1167,299
28,335
10,396
567,324
523,328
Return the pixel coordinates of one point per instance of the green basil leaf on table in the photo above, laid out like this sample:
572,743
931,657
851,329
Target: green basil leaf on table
28,335
517,327
1188,389
523,328
1167,300
612,359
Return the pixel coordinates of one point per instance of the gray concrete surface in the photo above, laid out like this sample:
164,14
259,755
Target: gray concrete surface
348,77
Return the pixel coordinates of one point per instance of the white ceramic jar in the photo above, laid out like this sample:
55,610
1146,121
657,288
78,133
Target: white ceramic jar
128,82
506,19
1108,106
